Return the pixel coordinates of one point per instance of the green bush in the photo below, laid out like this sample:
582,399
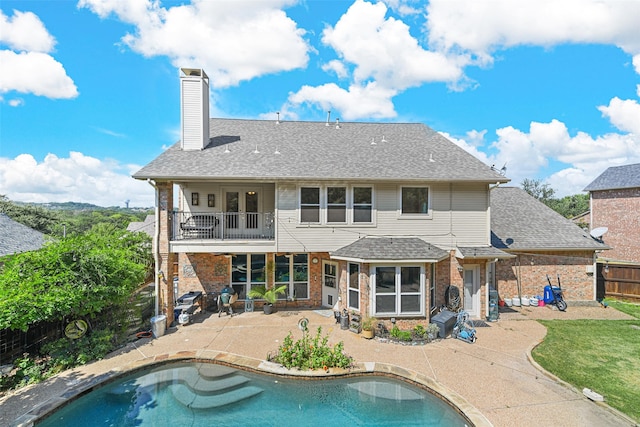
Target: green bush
311,353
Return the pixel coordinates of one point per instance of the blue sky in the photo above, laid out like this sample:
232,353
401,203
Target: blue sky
89,89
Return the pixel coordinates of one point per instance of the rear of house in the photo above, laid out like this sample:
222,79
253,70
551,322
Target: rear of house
375,218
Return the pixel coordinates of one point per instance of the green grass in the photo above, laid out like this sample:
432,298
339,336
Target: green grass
603,355
630,308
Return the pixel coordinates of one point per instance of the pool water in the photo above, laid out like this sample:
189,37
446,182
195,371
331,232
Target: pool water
205,394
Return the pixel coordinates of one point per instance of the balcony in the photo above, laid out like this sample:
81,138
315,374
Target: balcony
223,226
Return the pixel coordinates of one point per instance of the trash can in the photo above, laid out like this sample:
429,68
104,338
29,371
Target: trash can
158,325
445,320
344,320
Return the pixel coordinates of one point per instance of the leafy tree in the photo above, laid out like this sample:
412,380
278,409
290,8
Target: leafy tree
78,276
570,206
538,189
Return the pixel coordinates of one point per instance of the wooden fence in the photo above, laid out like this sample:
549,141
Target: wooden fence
618,281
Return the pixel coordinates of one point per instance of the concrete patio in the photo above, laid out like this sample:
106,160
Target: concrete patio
494,381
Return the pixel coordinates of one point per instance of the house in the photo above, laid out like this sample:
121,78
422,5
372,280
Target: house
615,204
375,218
544,243
17,237
148,226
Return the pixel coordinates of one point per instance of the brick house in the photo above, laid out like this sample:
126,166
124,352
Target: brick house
615,204
544,243
376,218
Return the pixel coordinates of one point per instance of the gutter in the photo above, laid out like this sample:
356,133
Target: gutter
156,251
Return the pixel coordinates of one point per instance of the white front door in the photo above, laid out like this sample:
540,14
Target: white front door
329,283
472,290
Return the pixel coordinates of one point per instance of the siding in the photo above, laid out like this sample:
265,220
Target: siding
465,225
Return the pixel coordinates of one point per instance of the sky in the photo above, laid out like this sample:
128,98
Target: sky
89,89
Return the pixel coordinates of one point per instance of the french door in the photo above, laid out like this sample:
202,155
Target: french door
242,207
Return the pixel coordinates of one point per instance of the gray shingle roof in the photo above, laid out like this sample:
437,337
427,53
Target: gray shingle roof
617,177
481,252
16,238
521,222
147,226
375,249
313,150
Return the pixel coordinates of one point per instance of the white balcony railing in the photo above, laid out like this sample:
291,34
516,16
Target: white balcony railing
223,226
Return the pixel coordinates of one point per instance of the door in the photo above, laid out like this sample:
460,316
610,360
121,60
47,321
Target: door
329,283
472,290
242,212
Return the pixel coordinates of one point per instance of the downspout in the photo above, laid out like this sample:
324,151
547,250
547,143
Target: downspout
156,254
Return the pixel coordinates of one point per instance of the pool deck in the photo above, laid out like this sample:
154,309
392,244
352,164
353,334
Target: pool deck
494,381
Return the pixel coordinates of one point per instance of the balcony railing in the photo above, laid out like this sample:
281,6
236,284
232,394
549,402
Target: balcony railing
223,226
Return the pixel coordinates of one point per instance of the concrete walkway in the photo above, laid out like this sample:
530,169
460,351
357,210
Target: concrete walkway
493,381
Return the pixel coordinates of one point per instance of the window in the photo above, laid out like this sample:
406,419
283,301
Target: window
310,204
362,204
432,288
415,200
398,290
247,270
195,199
293,271
337,204
353,294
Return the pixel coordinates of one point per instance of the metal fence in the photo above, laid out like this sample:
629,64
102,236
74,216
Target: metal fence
223,226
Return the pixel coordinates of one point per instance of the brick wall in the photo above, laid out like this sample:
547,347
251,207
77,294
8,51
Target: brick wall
619,211
577,283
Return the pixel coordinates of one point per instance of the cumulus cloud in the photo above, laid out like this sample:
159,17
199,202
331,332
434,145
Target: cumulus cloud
386,60
623,114
78,177
27,65
233,40
456,26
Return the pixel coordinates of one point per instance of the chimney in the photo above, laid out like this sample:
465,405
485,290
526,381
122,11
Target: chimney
194,109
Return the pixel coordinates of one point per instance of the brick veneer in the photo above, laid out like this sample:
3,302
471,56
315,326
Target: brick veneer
619,211
532,268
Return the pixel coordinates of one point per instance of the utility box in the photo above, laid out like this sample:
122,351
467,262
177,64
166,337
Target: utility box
445,320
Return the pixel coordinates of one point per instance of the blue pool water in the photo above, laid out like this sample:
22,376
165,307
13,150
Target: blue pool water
205,394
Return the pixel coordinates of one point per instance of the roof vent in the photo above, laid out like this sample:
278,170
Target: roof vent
278,119
328,117
337,123
373,140
383,139
431,157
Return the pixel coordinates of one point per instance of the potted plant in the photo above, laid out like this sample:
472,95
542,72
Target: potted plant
432,331
368,327
270,295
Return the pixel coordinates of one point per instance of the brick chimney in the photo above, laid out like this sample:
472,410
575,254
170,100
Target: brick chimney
194,109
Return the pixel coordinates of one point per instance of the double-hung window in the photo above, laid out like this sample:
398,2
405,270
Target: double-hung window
362,204
310,204
336,205
353,295
399,290
414,201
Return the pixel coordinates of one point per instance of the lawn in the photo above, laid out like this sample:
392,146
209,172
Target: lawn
603,355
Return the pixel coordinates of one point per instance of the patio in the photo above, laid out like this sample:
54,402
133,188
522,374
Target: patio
494,381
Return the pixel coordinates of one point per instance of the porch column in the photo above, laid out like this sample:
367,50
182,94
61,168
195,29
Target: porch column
165,257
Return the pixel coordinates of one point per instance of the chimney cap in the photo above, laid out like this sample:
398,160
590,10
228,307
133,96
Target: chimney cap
194,72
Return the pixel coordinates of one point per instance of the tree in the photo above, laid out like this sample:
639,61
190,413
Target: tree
570,206
78,276
538,189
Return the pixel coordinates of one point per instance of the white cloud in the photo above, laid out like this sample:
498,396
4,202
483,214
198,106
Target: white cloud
78,178
386,58
35,72
623,114
25,32
337,67
233,41
481,27
27,66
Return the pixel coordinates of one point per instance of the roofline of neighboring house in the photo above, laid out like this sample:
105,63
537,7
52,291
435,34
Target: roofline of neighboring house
551,249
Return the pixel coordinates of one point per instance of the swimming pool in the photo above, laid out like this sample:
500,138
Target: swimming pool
204,394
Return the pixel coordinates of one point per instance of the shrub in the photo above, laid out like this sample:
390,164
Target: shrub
311,353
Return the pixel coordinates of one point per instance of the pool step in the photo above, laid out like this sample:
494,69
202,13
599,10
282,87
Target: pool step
189,398
385,390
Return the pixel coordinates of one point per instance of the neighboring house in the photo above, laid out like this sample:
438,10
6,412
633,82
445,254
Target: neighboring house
148,226
16,237
544,243
378,218
615,204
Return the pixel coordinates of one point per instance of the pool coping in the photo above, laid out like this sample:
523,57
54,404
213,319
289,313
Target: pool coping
457,402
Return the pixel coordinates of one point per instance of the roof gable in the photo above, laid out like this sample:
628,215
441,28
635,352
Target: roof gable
260,149
617,177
